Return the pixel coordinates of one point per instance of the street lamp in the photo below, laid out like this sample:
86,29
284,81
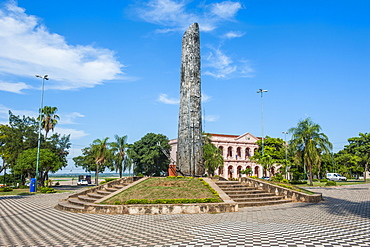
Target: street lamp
263,135
45,77
286,155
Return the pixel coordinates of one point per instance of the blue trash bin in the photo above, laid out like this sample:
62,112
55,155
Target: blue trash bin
33,185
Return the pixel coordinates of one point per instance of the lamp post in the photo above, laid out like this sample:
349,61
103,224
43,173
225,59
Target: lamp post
263,135
45,77
286,154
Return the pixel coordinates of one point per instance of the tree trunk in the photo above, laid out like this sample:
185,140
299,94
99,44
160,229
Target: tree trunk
365,173
97,174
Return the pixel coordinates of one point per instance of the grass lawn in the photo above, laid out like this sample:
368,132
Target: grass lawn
165,188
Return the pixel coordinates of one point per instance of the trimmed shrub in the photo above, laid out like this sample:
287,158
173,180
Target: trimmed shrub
117,203
171,201
47,190
323,180
331,183
5,189
298,182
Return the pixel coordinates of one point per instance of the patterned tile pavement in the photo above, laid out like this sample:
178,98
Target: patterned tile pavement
343,219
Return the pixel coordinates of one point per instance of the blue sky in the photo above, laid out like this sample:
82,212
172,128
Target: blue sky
114,66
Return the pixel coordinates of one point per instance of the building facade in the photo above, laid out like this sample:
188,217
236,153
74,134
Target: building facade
236,151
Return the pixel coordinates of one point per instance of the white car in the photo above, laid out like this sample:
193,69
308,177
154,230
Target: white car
335,177
82,182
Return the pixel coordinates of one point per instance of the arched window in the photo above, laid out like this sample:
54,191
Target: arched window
230,152
256,171
238,153
221,150
238,171
230,172
247,153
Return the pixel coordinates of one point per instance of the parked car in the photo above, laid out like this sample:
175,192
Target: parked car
335,177
82,182
266,178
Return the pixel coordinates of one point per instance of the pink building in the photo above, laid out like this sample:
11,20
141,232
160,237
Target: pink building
236,151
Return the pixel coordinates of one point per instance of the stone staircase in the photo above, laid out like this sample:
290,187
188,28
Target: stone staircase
87,200
247,196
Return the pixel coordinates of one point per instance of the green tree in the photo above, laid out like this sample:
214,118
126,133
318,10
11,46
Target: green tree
212,156
274,153
49,162
19,135
360,146
49,119
119,149
96,157
309,144
148,157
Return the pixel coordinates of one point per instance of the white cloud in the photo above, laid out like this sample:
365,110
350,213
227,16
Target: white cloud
13,87
211,118
27,47
178,14
205,97
226,9
69,118
222,66
233,34
75,134
164,99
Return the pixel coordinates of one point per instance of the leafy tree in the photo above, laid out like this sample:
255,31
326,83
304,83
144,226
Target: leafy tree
348,164
274,152
19,135
96,157
49,119
147,155
211,155
119,149
26,163
308,144
360,146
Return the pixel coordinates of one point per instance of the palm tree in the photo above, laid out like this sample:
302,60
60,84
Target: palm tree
49,118
101,153
119,148
309,144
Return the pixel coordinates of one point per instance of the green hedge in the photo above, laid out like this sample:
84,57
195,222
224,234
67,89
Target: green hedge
331,183
171,201
5,189
47,190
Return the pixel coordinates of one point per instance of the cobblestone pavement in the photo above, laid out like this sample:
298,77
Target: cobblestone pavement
343,219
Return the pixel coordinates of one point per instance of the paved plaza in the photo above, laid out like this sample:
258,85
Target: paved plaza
342,219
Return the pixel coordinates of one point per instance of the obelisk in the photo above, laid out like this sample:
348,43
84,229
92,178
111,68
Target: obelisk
190,145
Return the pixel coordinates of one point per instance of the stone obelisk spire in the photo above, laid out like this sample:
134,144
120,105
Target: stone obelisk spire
190,146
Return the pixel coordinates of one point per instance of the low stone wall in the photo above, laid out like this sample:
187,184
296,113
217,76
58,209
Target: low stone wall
296,196
141,209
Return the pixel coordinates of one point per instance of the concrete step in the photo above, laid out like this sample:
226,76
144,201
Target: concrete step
94,195
263,203
235,192
77,202
103,192
111,189
258,199
251,195
66,206
85,198
238,188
